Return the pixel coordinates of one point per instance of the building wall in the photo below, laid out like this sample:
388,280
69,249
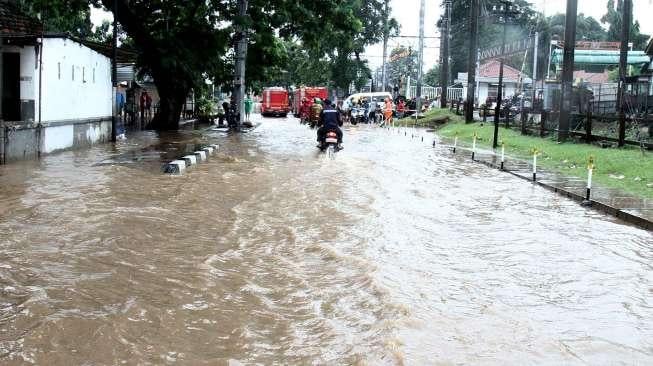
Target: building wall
483,89
76,82
76,111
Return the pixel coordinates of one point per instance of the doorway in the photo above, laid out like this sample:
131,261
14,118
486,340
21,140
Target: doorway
11,86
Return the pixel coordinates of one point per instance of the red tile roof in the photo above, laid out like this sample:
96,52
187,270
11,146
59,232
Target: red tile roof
14,22
491,68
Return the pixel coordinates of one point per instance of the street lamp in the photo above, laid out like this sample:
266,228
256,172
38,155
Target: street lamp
505,10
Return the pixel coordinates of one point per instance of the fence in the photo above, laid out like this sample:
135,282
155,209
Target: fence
427,92
586,126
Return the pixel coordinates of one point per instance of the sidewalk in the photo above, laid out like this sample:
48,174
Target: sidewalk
635,210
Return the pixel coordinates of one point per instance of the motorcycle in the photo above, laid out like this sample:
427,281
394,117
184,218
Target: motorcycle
357,115
330,145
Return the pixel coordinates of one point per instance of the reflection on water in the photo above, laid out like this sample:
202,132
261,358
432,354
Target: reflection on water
394,253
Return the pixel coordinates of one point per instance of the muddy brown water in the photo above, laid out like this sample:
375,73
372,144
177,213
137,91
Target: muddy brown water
393,253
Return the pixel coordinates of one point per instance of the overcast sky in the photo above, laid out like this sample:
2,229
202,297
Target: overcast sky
407,14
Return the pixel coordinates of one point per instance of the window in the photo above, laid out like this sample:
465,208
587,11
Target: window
73,72
492,91
59,70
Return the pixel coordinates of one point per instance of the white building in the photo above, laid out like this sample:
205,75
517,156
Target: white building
56,94
487,81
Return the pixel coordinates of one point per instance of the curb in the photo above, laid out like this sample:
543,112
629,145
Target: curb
181,165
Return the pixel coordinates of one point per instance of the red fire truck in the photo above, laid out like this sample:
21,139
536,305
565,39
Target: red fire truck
309,93
275,102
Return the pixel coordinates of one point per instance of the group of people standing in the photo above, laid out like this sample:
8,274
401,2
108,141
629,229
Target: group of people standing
383,113
127,106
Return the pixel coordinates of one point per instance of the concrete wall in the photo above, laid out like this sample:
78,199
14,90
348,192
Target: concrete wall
29,141
76,82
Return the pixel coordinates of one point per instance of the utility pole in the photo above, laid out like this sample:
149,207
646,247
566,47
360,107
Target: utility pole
497,112
626,18
420,58
114,72
568,70
471,62
385,43
444,53
241,58
534,79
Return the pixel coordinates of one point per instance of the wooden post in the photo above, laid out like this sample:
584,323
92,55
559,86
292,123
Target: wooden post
588,126
626,17
567,70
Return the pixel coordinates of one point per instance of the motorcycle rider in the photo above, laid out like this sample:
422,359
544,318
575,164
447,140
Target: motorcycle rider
330,121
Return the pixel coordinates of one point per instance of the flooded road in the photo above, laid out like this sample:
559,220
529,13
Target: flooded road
393,253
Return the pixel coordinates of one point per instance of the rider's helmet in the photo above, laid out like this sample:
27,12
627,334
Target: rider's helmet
317,100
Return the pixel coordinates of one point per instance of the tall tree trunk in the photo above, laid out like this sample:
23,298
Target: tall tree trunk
170,106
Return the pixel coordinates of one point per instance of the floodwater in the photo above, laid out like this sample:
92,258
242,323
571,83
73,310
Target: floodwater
393,253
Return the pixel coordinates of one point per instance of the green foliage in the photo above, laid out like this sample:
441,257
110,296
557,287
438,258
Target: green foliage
432,77
72,16
181,43
587,28
614,21
489,29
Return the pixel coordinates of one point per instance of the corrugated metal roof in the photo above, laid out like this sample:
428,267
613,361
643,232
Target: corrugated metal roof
594,57
125,72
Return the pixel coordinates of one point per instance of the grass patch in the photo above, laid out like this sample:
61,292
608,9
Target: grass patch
629,169
432,118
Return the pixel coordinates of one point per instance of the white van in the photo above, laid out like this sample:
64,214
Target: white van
378,97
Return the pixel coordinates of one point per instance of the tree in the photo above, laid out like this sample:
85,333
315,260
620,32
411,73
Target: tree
182,43
613,19
587,28
72,16
490,30
432,77
402,65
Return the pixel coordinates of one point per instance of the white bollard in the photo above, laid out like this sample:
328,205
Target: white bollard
201,155
534,167
503,154
190,160
209,150
175,167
